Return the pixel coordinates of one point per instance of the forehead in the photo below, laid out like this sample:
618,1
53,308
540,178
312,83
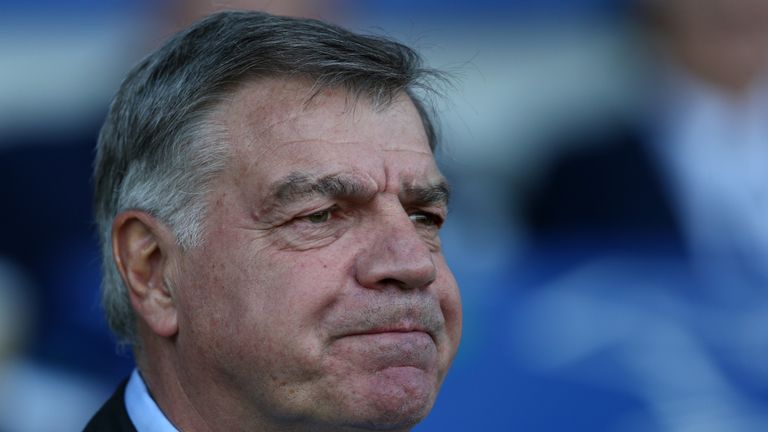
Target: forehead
277,127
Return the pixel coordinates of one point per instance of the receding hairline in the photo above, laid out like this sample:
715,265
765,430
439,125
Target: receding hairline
255,99
299,91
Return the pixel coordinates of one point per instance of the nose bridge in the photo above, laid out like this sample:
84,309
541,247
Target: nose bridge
395,254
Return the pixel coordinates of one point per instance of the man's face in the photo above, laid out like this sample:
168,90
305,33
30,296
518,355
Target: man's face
320,295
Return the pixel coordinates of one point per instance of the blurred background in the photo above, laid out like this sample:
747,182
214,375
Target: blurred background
609,229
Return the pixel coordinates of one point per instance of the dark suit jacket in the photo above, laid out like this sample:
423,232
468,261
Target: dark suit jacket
608,192
607,197
112,417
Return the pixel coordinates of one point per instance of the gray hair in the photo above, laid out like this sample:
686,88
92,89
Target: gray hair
159,149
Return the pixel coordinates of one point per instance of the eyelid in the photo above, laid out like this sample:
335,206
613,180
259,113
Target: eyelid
333,208
434,217
438,210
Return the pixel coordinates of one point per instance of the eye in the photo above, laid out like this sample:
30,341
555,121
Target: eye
321,216
426,219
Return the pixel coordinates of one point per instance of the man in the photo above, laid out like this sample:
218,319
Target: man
269,207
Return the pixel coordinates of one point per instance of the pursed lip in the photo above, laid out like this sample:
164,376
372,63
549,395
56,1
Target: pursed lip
385,347
402,329
397,319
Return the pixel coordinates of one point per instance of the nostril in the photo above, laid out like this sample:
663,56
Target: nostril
409,281
391,281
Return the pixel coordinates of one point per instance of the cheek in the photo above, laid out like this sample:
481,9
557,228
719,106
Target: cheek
214,307
300,288
453,318
450,299
292,294
450,304
287,294
242,315
217,298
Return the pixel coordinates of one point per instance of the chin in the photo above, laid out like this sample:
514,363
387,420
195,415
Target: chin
398,398
397,420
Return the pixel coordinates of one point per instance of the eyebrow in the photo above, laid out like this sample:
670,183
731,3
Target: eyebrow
437,194
300,186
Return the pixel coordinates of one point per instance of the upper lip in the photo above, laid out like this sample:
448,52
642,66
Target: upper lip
398,317
395,328
391,329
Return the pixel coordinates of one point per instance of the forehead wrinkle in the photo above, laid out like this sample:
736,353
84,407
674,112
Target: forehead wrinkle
290,109
264,126
262,141
261,129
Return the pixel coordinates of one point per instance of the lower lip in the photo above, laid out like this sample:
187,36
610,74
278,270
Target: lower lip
400,337
393,348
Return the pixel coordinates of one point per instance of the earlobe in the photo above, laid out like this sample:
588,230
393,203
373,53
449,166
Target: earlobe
143,248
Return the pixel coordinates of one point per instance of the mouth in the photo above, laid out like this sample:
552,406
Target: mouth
386,347
398,320
393,331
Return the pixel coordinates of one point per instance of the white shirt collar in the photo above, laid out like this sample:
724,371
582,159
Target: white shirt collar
142,409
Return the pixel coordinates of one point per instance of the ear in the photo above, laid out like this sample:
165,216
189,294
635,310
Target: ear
144,250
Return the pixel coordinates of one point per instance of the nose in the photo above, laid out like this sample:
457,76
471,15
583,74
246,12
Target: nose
395,255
